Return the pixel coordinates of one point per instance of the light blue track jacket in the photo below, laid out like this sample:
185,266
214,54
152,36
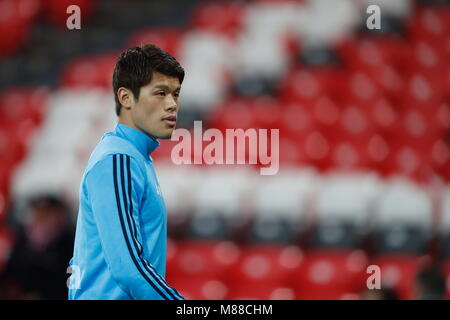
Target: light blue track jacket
120,241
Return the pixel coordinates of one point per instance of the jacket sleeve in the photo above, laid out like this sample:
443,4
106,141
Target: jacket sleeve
115,187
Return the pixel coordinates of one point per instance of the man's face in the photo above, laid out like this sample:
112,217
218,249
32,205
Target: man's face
155,112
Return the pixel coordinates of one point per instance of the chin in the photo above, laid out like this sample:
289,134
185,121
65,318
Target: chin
166,136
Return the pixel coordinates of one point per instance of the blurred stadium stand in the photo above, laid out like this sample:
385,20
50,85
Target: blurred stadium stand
364,119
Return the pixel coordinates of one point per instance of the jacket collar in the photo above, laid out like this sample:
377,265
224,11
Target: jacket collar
145,144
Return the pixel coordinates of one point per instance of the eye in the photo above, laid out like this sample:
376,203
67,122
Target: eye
161,93
176,94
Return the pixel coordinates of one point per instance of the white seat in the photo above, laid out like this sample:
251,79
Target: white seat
223,189
177,186
347,197
403,202
325,21
445,211
285,194
398,8
204,57
73,125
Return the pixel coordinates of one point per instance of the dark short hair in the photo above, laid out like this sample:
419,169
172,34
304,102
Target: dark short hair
135,68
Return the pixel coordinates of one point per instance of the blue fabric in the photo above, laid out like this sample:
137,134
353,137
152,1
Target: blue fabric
120,241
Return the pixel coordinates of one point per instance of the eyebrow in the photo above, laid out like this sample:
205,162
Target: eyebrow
165,87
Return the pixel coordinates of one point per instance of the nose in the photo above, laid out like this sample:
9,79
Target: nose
171,103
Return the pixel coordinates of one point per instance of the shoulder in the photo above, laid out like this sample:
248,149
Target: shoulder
113,151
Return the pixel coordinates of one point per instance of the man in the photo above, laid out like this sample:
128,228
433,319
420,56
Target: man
120,241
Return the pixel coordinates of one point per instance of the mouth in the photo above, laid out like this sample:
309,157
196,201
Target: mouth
170,120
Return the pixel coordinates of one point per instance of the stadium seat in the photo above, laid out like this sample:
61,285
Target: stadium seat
280,205
261,291
361,88
88,72
3,197
342,207
19,104
11,146
222,17
431,23
17,16
165,38
444,225
205,87
56,10
264,266
446,270
234,112
403,219
201,259
440,155
307,85
399,272
350,141
330,274
201,289
6,243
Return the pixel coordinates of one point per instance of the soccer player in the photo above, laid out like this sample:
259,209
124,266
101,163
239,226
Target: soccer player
120,240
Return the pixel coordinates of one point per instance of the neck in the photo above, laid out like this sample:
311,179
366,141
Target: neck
123,119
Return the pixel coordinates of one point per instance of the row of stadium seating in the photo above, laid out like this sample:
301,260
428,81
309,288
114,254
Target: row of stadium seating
223,270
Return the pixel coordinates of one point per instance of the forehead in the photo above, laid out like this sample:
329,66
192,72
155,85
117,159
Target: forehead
160,79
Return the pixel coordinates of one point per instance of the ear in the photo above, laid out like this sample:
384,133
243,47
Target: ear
125,97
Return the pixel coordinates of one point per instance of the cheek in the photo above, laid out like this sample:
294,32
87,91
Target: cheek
147,113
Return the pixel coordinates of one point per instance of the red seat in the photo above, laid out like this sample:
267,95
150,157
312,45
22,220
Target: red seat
224,17
202,259
296,120
17,16
266,112
399,272
366,53
427,58
4,191
317,147
21,111
167,39
12,147
330,274
326,112
440,158
383,114
6,243
408,160
307,85
265,265
360,88
197,269
421,126
388,78
432,24
56,10
423,91
261,291
446,270
200,288
234,112
88,72
28,104
290,154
